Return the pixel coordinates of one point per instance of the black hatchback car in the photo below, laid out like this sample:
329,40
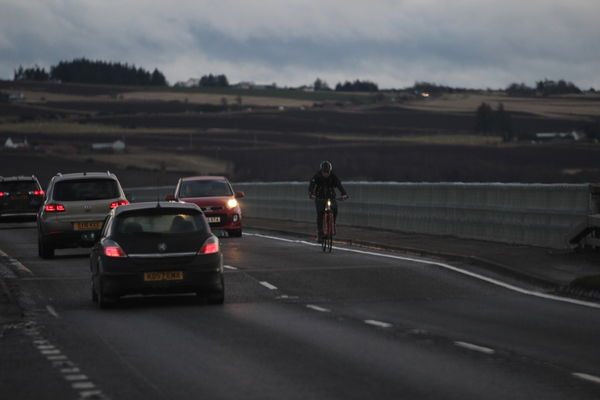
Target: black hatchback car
154,248
20,196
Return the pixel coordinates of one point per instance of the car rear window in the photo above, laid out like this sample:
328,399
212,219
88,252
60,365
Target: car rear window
160,221
86,189
18,186
208,188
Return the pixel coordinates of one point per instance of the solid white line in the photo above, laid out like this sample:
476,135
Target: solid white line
474,347
379,324
52,311
268,285
317,308
451,268
587,377
229,267
16,263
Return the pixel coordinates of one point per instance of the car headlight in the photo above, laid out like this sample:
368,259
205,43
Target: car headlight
232,203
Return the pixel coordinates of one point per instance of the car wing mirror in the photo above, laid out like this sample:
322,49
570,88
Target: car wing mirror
239,195
170,197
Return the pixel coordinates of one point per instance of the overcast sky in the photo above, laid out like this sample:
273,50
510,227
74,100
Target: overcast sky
468,43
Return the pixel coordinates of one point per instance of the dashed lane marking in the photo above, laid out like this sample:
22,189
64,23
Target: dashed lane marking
449,267
317,308
474,347
379,324
52,311
230,267
268,285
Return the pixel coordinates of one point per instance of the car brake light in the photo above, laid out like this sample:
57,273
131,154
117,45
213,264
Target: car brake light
116,204
112,249
38,192
2,194
211,246
54,208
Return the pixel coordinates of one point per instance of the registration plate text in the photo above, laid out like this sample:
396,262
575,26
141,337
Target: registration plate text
213,220
78,226
163,276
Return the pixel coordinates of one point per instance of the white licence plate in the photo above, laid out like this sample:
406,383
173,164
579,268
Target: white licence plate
213,220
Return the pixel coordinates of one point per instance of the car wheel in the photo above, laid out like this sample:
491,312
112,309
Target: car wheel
235,232
44,249
104,301
217,295
94,294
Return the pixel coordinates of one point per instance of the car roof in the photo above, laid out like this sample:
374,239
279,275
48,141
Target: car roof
85,175
150,205
17,178
203,178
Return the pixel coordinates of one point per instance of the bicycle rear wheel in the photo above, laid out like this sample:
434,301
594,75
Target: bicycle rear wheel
328,240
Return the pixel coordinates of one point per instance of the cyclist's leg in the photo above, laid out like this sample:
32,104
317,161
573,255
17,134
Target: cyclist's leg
334,208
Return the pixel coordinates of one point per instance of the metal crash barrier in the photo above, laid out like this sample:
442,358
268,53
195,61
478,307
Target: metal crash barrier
548,215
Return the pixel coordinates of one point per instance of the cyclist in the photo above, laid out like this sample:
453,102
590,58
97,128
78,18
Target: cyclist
322,187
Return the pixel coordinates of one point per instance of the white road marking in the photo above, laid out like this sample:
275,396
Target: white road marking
83,385
268,285
50,352
317,308
229,267
52,311
96,394
79,377
451,268
474,347
17,264
57,357
379,324
587,377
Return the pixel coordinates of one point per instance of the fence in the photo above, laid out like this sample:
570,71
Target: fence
531,214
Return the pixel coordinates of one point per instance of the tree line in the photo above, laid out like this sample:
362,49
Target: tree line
87,71
546,87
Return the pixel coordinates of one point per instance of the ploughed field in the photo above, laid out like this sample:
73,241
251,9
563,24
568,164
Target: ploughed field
378,139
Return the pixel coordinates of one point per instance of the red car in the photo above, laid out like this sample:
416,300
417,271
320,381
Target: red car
215,196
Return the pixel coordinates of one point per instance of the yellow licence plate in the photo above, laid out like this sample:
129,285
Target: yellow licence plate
163,276
78,226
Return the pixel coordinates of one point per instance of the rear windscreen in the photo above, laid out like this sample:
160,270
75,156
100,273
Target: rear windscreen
213,188
18,186
86,189
163,222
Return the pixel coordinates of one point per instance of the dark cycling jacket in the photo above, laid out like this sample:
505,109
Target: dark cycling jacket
324,188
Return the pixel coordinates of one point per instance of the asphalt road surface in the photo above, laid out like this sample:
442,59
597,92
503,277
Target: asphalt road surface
296,324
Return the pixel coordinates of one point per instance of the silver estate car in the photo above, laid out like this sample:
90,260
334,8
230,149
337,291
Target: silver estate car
75,208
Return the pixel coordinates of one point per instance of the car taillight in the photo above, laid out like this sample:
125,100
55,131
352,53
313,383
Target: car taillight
112,249
2,194
54,207
116,204
38,192
211,246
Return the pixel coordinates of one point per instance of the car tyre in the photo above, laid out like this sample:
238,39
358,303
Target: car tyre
104,301
94,294
217,295
44,249
235,232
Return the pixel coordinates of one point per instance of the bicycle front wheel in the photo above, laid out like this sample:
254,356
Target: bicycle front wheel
328,242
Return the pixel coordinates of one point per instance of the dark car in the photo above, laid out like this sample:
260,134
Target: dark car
153,248
20,196
217,199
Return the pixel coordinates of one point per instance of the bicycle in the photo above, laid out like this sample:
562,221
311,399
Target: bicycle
328,226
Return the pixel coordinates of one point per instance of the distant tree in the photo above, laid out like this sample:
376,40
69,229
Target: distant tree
519,89
320,85
428,87
31,74
484,118
211,80
357,86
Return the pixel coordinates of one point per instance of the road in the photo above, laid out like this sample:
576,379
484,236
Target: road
296,324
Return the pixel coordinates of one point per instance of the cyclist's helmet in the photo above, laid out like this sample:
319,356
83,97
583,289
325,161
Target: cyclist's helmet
326,167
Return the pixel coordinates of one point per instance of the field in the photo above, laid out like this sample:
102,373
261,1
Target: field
268,135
